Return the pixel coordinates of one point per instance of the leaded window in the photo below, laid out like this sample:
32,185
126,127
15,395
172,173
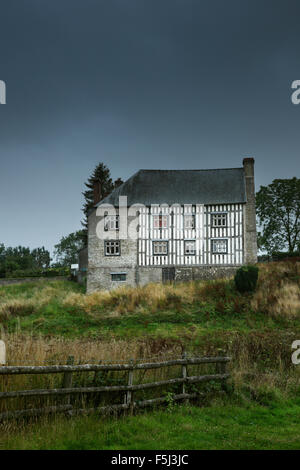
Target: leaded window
219,246
112,247
160,221
219,220
111,222
190,247
189,221
160,248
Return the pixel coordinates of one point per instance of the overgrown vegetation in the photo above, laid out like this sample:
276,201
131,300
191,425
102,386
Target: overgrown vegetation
245,278
45,322
62,308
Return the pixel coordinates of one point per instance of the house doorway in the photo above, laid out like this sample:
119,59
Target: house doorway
168,274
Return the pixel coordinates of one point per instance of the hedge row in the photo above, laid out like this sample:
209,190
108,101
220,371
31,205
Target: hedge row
50,272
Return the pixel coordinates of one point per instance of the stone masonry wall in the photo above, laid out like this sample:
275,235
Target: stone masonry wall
204,272
146,275
100,266
250,235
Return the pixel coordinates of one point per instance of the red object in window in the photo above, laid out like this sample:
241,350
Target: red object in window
160,221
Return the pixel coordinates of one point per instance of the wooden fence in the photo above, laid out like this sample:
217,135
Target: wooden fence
66,390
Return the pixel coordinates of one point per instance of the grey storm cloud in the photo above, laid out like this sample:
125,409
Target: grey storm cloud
138,84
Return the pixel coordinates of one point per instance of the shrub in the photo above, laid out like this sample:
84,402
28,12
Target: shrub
49,272
282,255
246,278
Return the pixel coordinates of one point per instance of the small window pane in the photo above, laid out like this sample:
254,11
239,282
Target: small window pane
189,221
112,248
219,246
111,222
160,221
118,277
219,220
160,248
190,247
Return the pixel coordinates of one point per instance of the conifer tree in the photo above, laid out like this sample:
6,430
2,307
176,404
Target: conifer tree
101,173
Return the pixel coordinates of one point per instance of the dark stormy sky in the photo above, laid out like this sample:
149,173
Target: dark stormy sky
164,84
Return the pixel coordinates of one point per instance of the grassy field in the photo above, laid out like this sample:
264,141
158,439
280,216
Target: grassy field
60,308
45,322
185,427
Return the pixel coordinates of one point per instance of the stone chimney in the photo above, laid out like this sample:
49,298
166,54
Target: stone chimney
97,192
250,236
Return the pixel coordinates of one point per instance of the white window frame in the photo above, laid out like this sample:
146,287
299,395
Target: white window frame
217,217
217,251
111,222
160,221
160,244
189,221
186,243
112,245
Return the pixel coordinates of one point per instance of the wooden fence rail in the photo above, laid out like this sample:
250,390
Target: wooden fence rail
13,370
67,390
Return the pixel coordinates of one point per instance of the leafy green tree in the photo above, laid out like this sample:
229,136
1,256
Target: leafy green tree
278,211
41,258
66,251
21,258
18,258
101,173
11,266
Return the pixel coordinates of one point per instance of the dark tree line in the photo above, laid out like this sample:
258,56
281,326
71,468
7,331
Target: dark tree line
20,258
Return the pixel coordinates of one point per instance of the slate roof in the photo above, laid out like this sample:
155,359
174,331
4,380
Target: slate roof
224,186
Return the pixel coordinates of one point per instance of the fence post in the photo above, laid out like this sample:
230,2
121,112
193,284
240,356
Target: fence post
184,375
221,369
67,379
129,394
2,353
96,374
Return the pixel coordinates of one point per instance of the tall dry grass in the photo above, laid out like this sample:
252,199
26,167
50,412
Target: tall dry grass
30,350
149,298
278,290
16,301
277,293
259,361
24,349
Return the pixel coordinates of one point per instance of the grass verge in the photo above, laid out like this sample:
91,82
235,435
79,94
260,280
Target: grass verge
186,427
